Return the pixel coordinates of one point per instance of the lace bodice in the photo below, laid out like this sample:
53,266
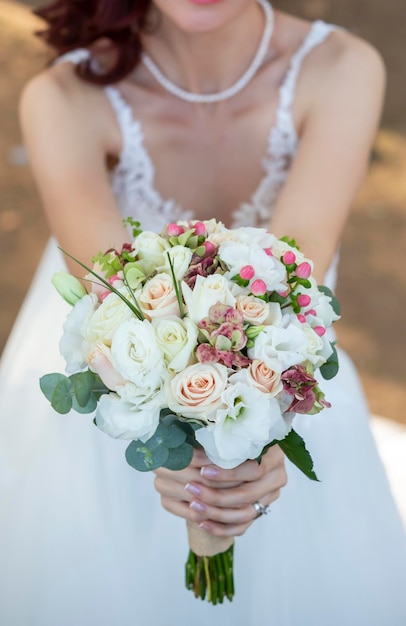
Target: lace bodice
133,179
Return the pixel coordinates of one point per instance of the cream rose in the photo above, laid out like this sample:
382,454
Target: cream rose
158,297
207,291
180,257
111,313
196,391
151,247
177,339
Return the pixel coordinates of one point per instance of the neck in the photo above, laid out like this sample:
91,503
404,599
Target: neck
206,62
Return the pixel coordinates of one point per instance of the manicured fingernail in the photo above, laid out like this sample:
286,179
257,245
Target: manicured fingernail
193,489
204,525
209,472
197,506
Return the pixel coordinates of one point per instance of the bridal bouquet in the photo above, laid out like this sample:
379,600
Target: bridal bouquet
198,336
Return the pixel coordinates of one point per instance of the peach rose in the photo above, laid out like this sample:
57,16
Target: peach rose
99,360
263,378
196,391
158,298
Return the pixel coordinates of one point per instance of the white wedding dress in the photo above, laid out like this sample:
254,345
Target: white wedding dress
83,537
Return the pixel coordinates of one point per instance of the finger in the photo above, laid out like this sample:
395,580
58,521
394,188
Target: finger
248,471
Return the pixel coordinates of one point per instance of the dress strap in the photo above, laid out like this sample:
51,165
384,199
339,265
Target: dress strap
74,56
318,32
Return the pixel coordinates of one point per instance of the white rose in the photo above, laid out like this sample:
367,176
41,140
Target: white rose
196,391
151,247
158,298
207,291
177,339
73,345
106,319
180,257
124,420
257,312
242,428
280,347
136,355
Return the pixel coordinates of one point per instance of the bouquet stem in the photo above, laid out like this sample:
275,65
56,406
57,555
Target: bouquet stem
209,567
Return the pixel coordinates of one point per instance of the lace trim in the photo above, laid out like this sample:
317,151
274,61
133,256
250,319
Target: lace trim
283,140
133,178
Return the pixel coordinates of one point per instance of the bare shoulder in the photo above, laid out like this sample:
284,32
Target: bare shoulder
57,100
347,65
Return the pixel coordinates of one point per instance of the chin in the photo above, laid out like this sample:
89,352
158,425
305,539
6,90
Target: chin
201,16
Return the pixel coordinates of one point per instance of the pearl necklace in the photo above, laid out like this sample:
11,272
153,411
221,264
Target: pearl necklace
234,89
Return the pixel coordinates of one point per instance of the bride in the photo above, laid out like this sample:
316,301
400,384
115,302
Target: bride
162,110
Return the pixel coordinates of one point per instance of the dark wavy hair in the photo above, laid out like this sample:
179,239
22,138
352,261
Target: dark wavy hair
86,23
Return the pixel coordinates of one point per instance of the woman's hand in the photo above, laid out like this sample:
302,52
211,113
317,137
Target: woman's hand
221,501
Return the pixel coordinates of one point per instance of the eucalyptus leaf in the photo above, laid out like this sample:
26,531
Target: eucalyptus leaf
82,384
48,383
330,368
89,407
167,435
145,459
61,399
294,448
179,458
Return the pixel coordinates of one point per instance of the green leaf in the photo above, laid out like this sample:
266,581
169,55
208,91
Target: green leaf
179,458
144,459
82,384
330,368
334,302
61,399
167,435
48,383
294,448
89,407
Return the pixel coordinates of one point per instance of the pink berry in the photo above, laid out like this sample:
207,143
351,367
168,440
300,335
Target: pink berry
200,228
268,251
319,330
303,270
174,230
289,258
258,287
311,312
284,294
303,300
247,272
210,248
301,318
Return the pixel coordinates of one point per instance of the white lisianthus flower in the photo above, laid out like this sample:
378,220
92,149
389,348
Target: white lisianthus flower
314,343
121,419
267,268
151,247
136,356
242,428
68,286
280,347
321,304
73,345
207,291
256,237
196,391
158,298
180,257
177,339
106,319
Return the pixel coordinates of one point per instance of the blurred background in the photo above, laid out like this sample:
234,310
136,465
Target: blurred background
372,276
